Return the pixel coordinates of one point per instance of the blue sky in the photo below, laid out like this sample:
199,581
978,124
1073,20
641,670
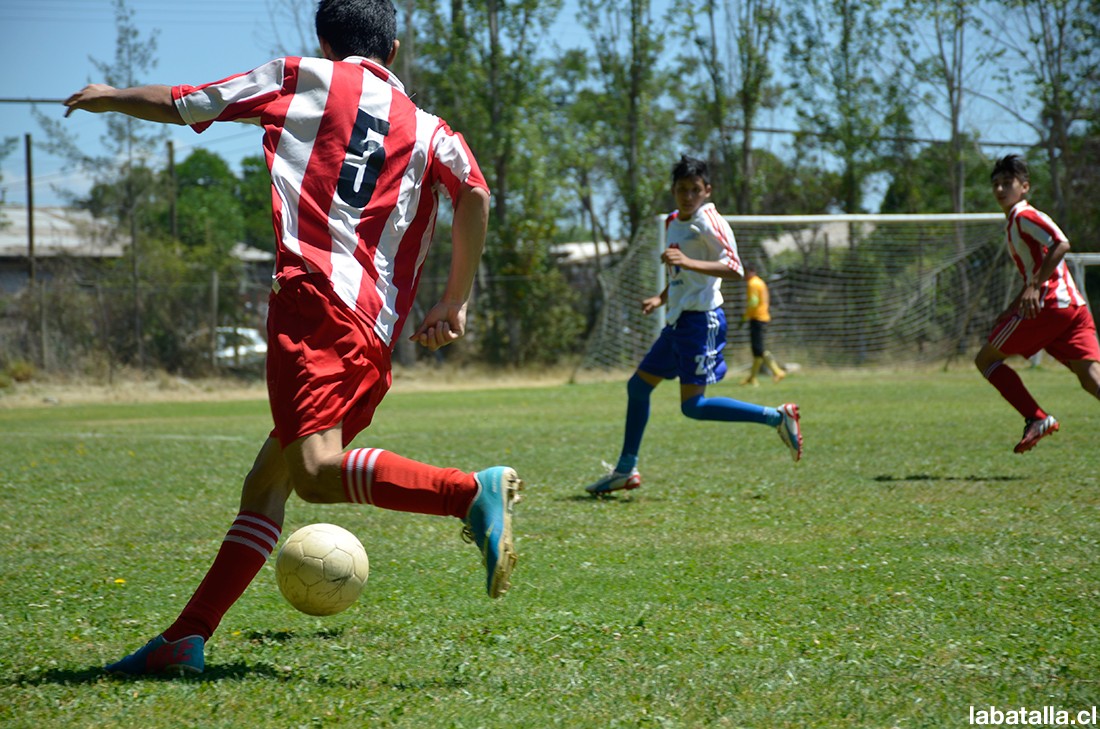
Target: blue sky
45,47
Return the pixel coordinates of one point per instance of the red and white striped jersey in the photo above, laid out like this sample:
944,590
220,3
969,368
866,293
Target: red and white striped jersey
1031,233
356,169
705,236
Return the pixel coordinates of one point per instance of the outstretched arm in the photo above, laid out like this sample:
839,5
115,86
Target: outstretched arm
152,103
446,321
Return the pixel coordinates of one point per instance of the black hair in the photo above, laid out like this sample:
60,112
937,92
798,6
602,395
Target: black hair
364,28
1011,164
690,167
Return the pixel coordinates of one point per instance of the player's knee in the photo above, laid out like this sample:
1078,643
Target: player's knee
1090,380
637,388
308,483
985,364
693,407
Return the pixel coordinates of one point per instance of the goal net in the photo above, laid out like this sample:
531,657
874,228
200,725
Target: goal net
845,290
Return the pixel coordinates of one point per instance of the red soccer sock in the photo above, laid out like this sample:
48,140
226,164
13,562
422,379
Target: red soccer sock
389,481
1011,387
243,553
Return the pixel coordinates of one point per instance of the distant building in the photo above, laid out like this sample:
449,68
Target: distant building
59,233
72,238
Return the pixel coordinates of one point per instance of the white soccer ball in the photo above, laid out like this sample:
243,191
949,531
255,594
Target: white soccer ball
321,569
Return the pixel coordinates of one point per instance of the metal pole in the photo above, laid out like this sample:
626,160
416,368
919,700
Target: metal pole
30,208
37,290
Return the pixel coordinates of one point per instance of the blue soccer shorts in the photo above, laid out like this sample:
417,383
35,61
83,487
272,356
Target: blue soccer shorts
690,349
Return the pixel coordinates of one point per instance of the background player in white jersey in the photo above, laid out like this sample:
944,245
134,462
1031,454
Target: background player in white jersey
701,253
1049,312
355,170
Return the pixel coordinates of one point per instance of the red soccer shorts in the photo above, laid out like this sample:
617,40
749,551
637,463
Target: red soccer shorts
324,367
1066,334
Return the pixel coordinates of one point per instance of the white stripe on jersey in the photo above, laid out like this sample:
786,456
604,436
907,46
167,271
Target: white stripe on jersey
1030,233
347,272
401,217
205,104
296,145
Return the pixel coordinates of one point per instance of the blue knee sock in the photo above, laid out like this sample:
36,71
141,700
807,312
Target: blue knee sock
637,415
729,410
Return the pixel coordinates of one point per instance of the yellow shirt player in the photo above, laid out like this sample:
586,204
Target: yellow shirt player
756,314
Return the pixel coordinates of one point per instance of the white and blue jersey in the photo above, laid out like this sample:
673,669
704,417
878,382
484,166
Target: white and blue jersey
690,346
705,236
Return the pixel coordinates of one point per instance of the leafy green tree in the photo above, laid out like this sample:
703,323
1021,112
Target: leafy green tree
636,127
732,52
482,68
254,193
921,189
7,144
127,143
208,207
1058,44
941,59
841,90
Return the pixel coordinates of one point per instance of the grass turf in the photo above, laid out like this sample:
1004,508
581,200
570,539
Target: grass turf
909,568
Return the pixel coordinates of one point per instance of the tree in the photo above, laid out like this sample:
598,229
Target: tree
842,97
254,193
482,68
126,144
6,146
921,188
211,218
939,58
1058,42
636,128
735,57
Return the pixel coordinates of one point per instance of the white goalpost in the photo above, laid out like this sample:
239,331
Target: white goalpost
846,290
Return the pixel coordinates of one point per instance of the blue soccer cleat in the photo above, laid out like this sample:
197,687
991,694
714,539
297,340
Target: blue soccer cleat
158,656
489,525
790,431
615,481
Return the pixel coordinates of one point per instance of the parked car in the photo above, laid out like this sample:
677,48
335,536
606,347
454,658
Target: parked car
240,348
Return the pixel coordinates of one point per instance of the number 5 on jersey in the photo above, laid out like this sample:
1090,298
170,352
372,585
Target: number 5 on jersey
363,163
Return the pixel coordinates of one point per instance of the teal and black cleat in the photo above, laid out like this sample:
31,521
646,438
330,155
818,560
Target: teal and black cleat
158,656
489,525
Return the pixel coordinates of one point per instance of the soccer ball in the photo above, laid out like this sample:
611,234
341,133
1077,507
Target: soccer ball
321,569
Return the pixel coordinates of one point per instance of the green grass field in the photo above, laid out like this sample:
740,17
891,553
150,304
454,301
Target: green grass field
909,568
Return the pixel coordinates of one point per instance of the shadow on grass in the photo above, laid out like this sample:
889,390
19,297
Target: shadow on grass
69,677
285,636
612,498
929,477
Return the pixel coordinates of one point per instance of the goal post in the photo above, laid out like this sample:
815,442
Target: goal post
845,290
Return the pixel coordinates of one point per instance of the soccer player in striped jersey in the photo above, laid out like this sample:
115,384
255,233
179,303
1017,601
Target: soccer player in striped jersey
701,253
1049,312
356,169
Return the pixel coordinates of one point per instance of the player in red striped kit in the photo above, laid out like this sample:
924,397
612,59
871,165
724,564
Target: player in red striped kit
355,170
1049,313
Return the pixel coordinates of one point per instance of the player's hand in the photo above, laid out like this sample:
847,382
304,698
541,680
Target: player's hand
1030,302
650,304
445,323
673,256
93,98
